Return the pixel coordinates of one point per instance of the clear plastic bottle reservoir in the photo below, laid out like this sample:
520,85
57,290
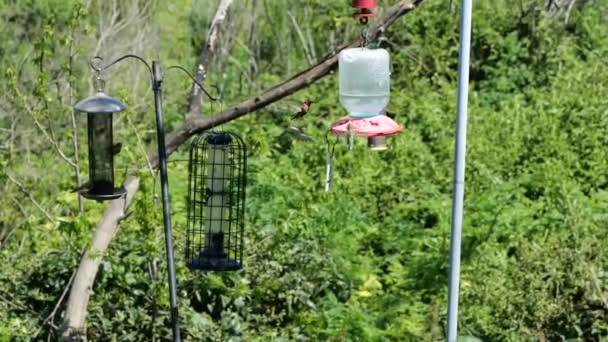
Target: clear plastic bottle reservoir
364,81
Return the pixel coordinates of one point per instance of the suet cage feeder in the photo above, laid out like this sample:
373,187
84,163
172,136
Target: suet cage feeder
100,109
216,202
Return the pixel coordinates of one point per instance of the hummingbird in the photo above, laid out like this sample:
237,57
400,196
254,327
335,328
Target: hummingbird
297,133
303,109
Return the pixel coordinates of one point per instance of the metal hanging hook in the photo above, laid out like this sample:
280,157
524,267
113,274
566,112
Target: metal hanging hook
96,63
200,86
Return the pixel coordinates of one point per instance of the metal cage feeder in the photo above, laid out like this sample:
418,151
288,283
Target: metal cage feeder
100,109
216,202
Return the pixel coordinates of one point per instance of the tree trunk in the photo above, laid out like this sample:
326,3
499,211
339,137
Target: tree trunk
76,312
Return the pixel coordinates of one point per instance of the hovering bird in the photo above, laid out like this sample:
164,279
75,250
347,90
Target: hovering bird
297,133
303,109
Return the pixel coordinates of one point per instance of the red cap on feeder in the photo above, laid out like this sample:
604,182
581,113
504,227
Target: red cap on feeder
365,8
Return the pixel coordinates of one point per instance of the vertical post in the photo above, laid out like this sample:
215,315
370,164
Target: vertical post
459,167
162,158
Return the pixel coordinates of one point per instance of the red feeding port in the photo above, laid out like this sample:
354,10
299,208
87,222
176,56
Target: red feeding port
368,127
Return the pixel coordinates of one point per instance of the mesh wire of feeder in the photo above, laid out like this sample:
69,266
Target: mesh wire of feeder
216,202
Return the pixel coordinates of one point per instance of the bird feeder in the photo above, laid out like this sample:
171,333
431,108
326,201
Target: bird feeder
364,92
216,202
100,109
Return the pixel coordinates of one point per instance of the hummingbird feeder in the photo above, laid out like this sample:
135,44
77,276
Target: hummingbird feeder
216,202
364,92
100,109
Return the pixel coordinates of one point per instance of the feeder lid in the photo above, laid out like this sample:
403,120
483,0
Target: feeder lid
218,138
369,127
100,103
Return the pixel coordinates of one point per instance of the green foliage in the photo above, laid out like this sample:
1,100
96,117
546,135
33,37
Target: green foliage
367,261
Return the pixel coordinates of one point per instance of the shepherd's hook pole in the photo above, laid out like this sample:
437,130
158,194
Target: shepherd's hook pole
162,158
459,167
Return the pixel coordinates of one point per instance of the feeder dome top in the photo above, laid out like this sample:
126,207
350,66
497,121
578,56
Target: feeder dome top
368,127
100,103
218,138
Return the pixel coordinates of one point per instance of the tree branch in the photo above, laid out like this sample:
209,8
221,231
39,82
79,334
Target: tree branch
29,195
207,54
82,286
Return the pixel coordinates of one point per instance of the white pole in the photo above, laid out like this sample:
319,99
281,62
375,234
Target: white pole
459,167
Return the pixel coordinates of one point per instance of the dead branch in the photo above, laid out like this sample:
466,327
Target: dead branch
29,195
207,54
51,317
81,289
82,286
303,43
41,128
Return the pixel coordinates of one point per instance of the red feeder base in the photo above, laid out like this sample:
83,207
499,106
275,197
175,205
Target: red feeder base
367,127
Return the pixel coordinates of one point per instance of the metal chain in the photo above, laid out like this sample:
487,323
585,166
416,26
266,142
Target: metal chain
365,37
96,64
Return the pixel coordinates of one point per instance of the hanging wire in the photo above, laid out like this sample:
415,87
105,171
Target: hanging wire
99,83
365,37
350,136
329,164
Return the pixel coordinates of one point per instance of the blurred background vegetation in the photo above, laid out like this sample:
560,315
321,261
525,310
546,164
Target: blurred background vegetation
367,261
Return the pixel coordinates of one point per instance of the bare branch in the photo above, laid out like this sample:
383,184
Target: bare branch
207,54
73,118
42,129
82,286
29,195
307,53
51,317
140,144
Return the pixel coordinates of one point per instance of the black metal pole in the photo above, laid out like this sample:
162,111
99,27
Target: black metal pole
162,159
